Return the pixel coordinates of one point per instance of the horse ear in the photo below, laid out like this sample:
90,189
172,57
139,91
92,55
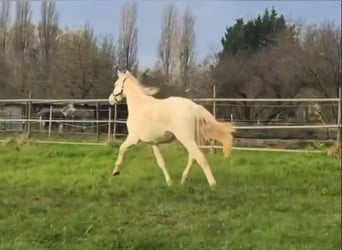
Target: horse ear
151,90
119,73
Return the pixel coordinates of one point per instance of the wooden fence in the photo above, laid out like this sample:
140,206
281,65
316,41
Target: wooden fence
111,122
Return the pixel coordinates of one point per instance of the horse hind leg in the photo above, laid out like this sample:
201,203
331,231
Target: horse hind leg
161,164
130,141
187,169
197,154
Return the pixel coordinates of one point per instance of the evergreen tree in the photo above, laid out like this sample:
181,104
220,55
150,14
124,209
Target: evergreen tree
255,34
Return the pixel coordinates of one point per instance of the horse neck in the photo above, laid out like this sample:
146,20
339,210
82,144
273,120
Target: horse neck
134,95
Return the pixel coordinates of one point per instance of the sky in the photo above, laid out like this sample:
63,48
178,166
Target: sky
212,18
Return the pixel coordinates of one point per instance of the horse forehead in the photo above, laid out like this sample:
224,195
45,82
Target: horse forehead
117,83
120,81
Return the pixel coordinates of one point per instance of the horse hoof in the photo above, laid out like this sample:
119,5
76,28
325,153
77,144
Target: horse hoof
213,186
115,173
183,180
169,183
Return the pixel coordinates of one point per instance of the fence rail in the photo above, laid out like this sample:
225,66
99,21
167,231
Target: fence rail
94,101
112,119
318,126
62,120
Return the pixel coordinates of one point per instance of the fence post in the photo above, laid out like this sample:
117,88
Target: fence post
50,118
115,117
24,125
213,143
97,122
10,125
109,121
28,131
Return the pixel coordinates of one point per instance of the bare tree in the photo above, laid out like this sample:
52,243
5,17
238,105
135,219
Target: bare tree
85,64
47,33
86,52
48,30
22,46
103,64
4,64
186,48
4,23
128,38
271,73
320,63
168,42
81,72
202,78
22,28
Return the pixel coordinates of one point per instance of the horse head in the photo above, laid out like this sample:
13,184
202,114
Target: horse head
68,110
119,92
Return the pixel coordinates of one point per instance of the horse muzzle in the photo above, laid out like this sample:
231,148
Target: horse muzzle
112,100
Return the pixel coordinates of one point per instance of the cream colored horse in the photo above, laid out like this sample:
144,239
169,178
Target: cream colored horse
156,121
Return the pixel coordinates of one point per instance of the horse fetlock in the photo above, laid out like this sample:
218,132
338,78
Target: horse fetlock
212,185
184,178
169,182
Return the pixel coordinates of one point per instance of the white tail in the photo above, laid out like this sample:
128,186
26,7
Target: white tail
207,127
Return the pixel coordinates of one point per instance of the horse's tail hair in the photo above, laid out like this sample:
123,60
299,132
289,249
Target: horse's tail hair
207,127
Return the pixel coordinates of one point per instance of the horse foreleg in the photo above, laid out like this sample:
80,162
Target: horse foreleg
60,128
187,169
130,141
161,164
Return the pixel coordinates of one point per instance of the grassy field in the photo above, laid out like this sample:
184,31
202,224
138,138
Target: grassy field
63,197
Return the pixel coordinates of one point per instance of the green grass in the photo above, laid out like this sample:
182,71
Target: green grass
63,197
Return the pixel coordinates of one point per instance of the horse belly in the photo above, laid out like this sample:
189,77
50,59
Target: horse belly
158,138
